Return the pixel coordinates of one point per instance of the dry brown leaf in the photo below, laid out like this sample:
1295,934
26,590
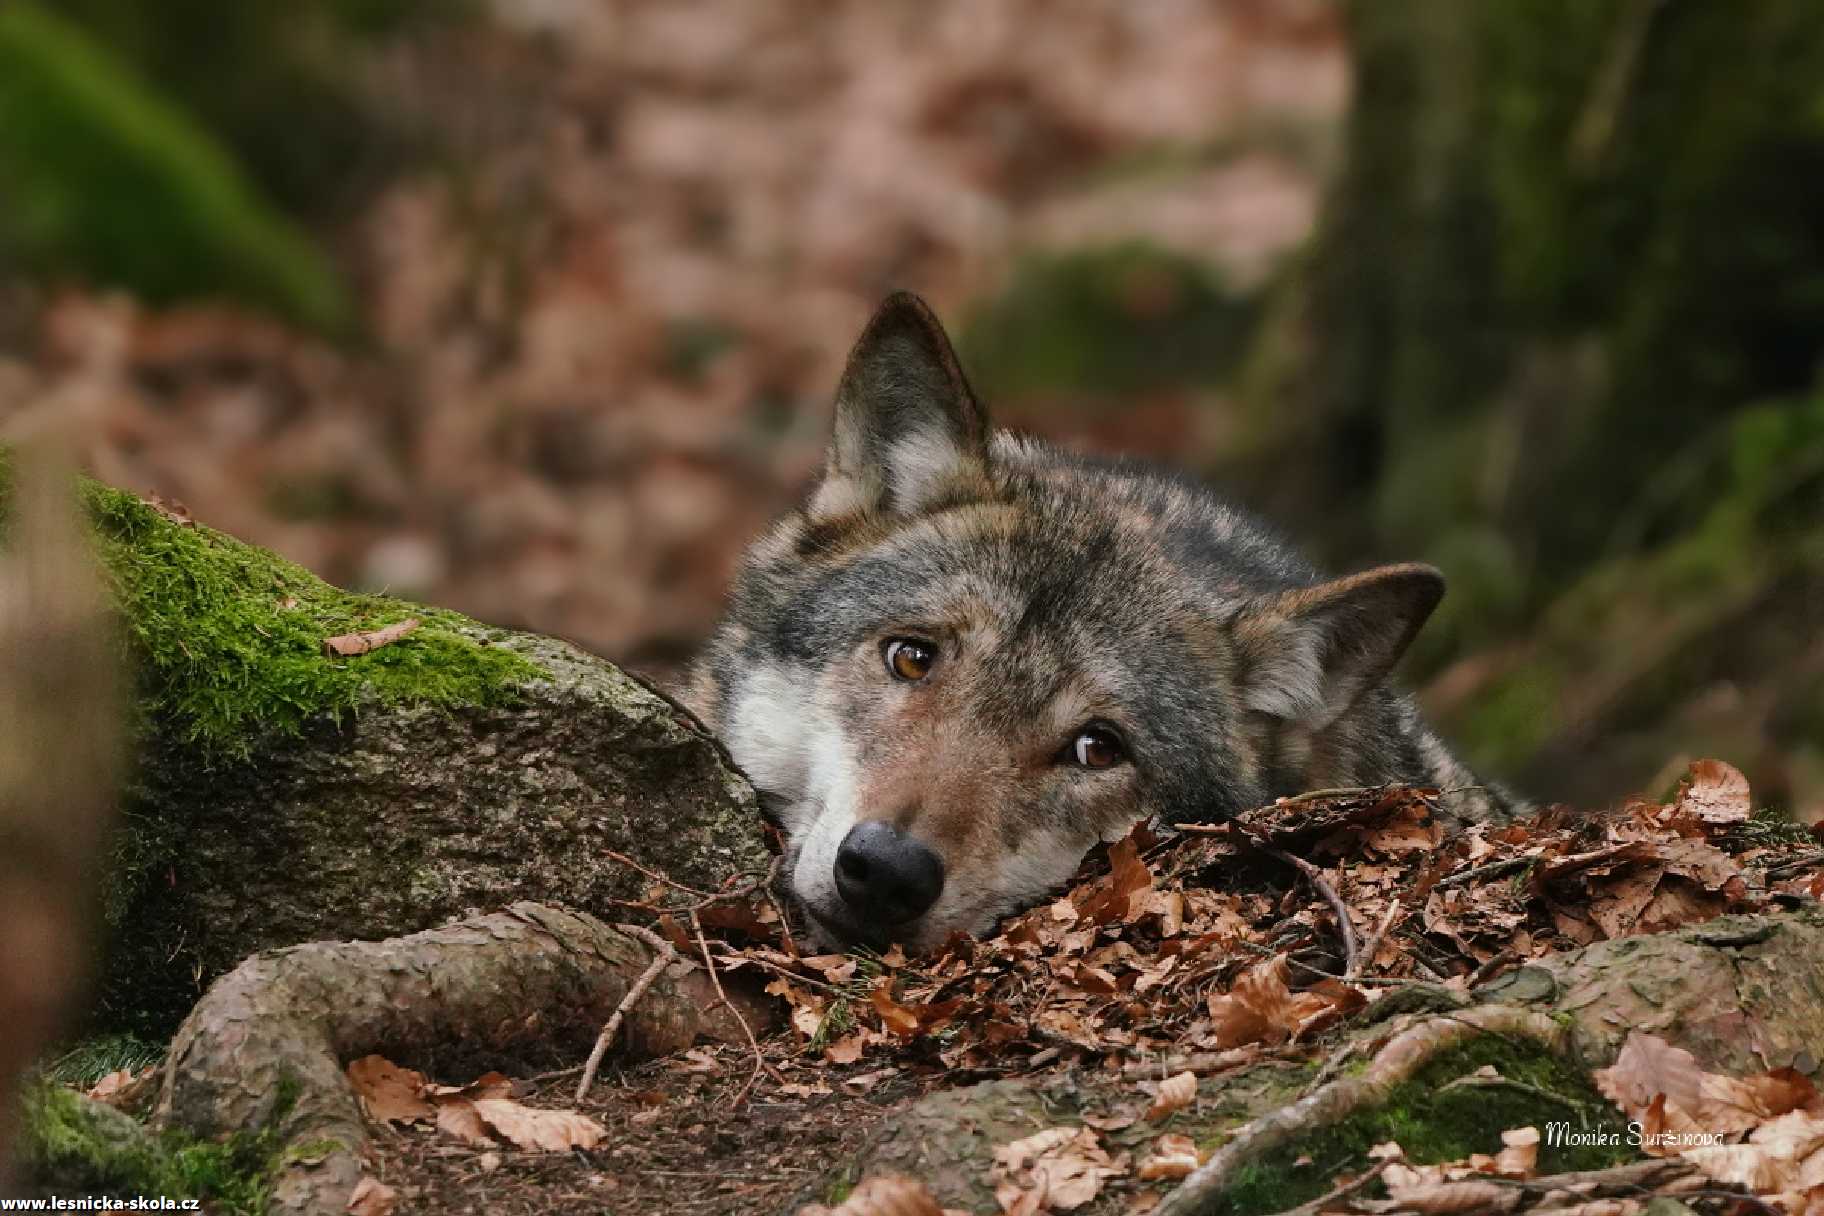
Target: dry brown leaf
389,1093
882,1195
1259,1009
1519,1155
845,1050
123,1089
1122,896
1716,793
1449,1198
347,645
372,1197
1785,1154
460,1119
1172,1156
549,1131
1174,1094
1058,1169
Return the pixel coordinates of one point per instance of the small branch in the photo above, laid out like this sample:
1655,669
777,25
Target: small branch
709,964
1352,949
673,883
1373,945
1796,865
1494,869
662,956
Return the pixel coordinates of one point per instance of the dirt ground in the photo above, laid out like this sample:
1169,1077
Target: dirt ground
677,1141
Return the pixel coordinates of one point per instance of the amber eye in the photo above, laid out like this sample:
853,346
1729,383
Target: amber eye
1096,747
909,659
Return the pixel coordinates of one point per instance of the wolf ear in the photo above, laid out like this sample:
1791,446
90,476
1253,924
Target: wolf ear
908,430
1308,655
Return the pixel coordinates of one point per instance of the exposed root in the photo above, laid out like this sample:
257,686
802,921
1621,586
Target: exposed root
284,1022
1403,1056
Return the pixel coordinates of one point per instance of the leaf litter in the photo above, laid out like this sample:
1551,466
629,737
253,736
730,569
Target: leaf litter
1180,954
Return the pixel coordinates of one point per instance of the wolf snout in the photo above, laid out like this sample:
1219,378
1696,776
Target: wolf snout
885,876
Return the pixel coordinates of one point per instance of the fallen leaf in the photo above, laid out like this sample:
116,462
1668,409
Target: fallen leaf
550,1131
882,1195
348,645
1172,1156
1519,1155
372,1197
1715,793
1174,1094
845,1050
389,1093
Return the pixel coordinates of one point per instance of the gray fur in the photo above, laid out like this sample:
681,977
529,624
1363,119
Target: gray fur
1058,591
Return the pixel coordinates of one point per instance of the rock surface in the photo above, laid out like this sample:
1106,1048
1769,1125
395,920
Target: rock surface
284,795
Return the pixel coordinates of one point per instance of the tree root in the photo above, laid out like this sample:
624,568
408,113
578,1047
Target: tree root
1403,1056
268,1042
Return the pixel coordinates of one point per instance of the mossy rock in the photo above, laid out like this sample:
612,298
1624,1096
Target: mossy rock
282,795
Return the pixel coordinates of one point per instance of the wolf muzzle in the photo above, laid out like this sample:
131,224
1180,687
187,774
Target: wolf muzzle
885,876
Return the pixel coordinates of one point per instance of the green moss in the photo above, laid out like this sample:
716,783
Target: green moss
106,179
73,1147
228,638
1433,1124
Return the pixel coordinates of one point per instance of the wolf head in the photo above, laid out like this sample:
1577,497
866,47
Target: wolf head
969,658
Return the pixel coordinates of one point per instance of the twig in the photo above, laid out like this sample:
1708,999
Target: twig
1352,948
661,958
1342,1192
1472,1081
1403,1056
1487,970
796,977
1337,792
1332,1065
709,962
654,874
1793,866
1494,869
1373,945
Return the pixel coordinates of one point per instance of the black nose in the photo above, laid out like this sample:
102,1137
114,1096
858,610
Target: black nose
885,876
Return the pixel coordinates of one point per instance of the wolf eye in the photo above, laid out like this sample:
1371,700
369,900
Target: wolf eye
909,659
1096,747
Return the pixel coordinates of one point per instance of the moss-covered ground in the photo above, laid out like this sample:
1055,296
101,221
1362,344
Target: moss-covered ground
74,1147
1436,1122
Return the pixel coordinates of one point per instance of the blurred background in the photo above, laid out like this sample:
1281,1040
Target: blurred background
534,308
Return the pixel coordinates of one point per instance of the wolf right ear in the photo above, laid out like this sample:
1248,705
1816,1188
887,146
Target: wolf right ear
1307,655
909,432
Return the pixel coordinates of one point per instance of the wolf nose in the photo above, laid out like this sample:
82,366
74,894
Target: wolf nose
885,876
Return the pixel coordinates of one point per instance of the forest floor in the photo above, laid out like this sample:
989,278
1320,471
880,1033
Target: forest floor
1170,964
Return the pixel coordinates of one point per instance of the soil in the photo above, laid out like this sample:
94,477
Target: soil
677,1140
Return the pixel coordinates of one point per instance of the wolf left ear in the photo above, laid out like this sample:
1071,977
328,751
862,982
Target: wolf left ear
1307,655
908,430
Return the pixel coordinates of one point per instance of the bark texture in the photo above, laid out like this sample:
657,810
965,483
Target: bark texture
271,1039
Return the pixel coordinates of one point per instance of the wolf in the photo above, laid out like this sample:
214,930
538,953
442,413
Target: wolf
969,657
